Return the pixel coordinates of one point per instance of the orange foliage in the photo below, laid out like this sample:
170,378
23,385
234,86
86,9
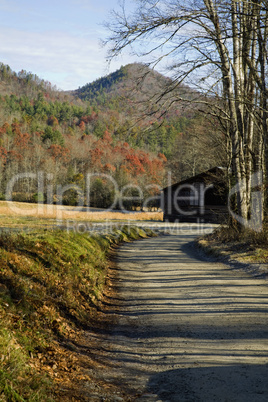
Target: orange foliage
107,138
52,121
162,157
22,140
109,168
15,128
82,126
3,155
59,153
14,155
135,164
4,128
96,158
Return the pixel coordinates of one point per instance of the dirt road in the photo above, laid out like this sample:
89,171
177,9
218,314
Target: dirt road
188,329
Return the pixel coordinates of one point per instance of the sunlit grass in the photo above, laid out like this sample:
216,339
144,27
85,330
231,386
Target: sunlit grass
18,381
23,215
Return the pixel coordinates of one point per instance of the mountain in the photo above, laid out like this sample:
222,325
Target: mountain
135,77
133,84
113,127
149,111
136,105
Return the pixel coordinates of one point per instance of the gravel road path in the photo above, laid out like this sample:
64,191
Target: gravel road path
188,329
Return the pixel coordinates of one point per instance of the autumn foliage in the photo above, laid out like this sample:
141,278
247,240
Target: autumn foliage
66,143
96,131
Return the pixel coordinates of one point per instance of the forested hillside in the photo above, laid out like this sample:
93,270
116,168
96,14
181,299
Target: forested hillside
132,102
109,129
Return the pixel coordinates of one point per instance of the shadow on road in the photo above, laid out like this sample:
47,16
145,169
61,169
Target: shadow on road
187,329
209,384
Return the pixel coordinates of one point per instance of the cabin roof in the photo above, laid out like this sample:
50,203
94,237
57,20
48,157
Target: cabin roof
211,175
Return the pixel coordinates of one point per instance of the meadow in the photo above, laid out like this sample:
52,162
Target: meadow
18,215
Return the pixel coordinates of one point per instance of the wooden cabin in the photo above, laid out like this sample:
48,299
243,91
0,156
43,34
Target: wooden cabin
201,198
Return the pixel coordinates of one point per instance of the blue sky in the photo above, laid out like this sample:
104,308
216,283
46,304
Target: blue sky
57,40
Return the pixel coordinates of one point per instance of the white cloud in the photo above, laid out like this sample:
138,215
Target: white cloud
64,59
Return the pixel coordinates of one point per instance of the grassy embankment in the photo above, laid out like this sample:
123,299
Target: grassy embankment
51,286
246,246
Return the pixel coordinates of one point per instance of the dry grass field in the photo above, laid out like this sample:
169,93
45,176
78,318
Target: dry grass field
22,215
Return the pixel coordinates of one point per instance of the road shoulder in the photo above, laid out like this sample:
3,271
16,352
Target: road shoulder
237,255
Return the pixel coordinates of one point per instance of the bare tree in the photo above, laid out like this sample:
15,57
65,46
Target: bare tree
219,47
